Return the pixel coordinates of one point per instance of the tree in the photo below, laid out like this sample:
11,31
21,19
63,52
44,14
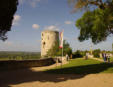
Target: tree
82,4
56,51
112,47
7,11
96,53
77,54
96,24
66,48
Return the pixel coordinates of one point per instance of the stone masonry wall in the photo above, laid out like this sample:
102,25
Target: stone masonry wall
48,39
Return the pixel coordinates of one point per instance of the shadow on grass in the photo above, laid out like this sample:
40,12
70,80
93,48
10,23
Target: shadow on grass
86,69
15,77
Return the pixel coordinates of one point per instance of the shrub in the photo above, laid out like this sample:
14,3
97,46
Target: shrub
96,53
77,54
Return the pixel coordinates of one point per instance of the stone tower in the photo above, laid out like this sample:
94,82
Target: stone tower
48,39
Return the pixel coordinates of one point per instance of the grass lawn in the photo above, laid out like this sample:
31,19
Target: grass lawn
81,66
111,59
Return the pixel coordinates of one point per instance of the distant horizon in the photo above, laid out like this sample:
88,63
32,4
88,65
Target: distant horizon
21,51
40,52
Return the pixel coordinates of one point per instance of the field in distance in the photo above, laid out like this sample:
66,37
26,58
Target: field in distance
10,55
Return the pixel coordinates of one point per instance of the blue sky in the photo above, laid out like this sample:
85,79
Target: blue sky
33,16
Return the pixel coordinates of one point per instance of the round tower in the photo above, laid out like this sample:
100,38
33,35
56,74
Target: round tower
48,40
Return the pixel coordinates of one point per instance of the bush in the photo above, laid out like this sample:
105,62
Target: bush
96,53
77,54
56,51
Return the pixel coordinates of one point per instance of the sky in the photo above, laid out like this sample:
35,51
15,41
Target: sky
34,16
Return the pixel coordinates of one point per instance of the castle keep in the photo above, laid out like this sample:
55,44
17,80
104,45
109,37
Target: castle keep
48,40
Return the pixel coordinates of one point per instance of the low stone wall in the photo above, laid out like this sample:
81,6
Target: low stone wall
17,64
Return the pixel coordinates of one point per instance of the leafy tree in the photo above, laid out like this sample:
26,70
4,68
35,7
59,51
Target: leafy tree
96,53
96,23
83,4
78,54
66,48
56,51
7,11
112,47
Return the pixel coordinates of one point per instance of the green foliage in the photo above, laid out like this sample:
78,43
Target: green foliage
66,49
7,11
96,25
97,21
78,54
84,4
96,53
112,47
56,51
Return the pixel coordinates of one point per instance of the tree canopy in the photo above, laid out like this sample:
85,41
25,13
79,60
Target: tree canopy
7,11
81,4
96,23
56,51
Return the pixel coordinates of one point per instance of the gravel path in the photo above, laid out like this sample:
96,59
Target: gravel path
35,77
97,59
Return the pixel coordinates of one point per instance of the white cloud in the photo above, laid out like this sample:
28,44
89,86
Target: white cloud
16,19
52,27
34,3
35,26
68,22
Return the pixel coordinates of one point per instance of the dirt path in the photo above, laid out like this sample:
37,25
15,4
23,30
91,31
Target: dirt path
35,77
92,80
97,59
